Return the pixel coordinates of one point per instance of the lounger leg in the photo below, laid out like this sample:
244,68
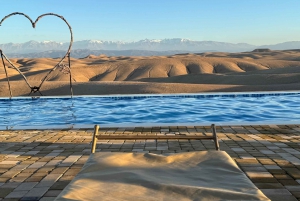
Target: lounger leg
94,142
213,127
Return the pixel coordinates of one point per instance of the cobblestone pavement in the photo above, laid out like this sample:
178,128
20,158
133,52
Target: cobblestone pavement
38,164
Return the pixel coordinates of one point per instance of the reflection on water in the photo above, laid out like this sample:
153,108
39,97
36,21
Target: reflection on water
100,110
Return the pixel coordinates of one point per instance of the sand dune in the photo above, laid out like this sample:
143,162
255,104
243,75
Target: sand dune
182,73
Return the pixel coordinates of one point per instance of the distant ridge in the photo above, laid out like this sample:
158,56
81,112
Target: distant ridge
262,50
147,47
82,53
174,44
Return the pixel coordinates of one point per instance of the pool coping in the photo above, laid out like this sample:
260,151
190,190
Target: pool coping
160,95
133,125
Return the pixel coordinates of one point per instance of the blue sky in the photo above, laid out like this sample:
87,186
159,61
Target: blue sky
257,22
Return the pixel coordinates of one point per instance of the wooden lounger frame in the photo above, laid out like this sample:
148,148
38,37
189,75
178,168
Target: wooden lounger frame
96,136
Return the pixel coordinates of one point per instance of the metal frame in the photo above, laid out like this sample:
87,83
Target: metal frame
35,89
96,136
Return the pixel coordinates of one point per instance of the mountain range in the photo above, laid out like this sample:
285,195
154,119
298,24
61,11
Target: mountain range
147,47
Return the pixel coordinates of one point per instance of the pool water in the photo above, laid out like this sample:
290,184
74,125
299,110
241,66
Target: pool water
194,108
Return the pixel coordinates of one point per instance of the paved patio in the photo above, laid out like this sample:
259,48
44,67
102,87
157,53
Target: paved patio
38,164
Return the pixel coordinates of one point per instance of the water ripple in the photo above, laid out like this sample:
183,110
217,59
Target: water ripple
91,110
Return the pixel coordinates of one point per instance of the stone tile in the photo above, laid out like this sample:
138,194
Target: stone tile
69,161
37,192
47,199
26,186
5,191
16,194
266,161
11,185
294,174
293,187
284,192
269,185
18,179
296,194
272,167
37,165
51,177
267,152
2,163
59,170
253,175
282,176
264,180
66,178
4,179
254,169
60,185
238,149
287,181
34,179
74,171
282,197
26,198
277,171
52,193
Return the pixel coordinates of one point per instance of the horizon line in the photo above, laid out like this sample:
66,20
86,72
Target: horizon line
149,40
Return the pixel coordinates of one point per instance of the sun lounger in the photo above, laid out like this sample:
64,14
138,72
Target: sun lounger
199,175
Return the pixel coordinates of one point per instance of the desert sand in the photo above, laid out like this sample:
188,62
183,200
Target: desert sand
259,70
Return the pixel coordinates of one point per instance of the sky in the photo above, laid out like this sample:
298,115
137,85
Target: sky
257,22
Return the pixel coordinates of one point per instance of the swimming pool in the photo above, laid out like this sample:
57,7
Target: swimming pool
187,109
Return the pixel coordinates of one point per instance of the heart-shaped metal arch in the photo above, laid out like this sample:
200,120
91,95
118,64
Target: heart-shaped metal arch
35,89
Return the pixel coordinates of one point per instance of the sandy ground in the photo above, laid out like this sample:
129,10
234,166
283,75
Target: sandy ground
184,73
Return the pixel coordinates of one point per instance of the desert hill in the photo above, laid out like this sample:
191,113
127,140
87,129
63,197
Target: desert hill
182,73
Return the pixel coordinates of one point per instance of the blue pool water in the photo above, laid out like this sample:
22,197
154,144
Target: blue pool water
193,108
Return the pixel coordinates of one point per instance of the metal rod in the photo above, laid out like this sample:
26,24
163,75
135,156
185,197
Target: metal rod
10,93
154,137
70,46
17,69
71,86
34,90
94,142
213,127
17,13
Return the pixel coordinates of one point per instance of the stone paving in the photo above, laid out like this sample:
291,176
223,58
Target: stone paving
38,164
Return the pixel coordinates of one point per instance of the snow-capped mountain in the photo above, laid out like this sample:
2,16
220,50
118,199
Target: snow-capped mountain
144,47
146,44
31,46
